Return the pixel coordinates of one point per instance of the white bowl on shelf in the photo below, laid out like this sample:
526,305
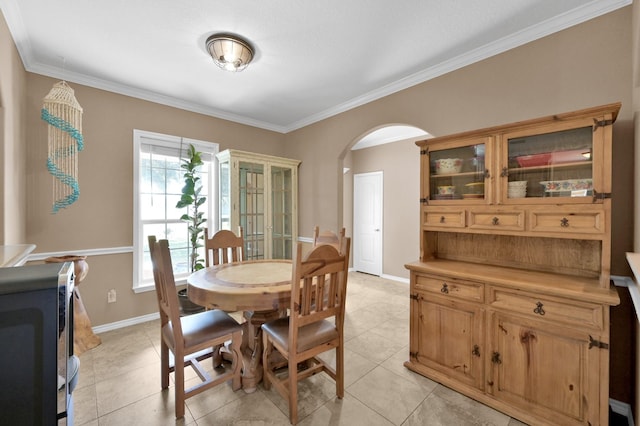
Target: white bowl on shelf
447,166
517,193
518,184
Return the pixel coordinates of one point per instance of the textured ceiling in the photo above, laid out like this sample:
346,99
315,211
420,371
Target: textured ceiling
314,59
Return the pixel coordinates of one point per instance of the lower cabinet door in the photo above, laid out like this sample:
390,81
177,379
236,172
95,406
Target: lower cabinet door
549,371
450,338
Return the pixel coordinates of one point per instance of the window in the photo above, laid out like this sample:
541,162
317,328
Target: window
158,181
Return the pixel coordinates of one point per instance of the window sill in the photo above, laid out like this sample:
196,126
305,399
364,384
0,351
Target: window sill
143,288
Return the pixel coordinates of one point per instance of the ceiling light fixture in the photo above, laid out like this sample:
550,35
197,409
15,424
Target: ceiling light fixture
229,52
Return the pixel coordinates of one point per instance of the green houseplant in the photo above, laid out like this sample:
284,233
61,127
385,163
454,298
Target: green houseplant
192,200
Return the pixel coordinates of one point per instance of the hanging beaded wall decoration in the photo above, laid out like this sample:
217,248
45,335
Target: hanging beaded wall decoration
63,113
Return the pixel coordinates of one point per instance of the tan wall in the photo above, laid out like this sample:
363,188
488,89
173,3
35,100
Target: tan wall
580,67
12,140
102,217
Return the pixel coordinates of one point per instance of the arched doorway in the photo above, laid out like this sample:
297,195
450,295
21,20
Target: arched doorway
389,151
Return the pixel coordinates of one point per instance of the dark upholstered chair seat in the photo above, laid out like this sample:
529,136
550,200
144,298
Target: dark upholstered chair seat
309,336
202,327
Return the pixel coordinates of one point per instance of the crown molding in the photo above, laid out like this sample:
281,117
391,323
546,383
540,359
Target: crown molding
561,22
148,95
576,16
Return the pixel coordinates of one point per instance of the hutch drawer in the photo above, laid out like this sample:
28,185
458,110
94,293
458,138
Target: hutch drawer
450,287
487,219
443,218
549,308
568,221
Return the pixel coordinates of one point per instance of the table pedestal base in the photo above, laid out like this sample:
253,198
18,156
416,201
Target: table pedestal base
252,347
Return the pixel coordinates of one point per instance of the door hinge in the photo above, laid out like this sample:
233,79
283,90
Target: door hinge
414,297
600,195
601,123
424,200
597,343
413,354
424,151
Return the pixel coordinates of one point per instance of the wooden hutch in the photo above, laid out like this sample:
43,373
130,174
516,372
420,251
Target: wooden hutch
510,298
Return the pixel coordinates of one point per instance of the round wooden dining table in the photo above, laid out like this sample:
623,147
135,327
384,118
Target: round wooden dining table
259,288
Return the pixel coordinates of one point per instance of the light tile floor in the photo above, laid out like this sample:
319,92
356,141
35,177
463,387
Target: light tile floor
120,379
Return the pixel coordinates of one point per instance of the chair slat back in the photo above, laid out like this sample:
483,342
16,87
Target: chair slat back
163,278
328,237
319,286
223,247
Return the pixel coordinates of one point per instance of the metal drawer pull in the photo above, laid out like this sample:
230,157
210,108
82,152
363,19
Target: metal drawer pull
495,220
564,222
538,309
445,288
441,219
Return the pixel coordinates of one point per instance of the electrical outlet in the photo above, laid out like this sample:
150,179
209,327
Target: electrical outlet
111,296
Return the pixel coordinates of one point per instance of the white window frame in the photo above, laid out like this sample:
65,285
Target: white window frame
173,142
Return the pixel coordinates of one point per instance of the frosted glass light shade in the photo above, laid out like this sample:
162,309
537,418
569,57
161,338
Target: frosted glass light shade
229,52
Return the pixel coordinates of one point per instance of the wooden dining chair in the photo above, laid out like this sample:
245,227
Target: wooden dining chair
223,247
191,338
327,237
312,327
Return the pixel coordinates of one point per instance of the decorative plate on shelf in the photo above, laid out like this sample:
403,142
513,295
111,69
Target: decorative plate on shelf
556,157
534,160
567,185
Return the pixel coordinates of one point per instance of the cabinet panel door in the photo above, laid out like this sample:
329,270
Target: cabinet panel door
547,370
450,338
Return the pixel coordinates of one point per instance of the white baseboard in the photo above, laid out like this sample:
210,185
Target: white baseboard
394,278
125,323
623,409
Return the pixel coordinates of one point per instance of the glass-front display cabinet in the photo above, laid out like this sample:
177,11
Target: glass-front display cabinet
529,165
564,161
459,170
260,194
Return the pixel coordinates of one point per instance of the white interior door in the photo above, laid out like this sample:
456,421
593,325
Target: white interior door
367,222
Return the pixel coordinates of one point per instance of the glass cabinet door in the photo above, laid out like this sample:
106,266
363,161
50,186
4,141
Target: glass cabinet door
549,165
259,193
224,196
281,212
458,173
252,209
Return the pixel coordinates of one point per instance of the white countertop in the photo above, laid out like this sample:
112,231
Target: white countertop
15,254
634,291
